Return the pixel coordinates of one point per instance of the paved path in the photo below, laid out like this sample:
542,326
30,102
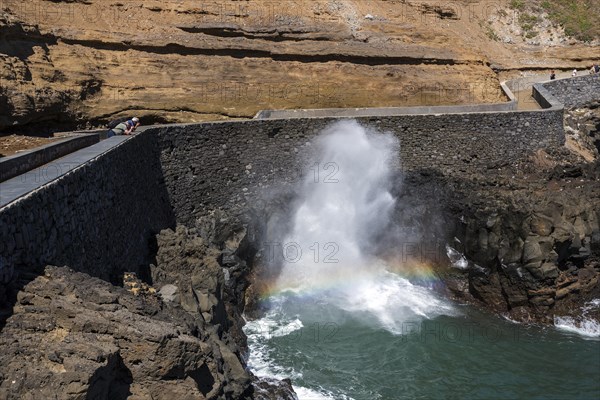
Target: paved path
521,88
18,186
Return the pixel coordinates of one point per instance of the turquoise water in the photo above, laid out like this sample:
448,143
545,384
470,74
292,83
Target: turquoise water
331,353
346,324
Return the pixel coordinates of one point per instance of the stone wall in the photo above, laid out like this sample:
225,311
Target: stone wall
22,162
227,164
575,91
96,218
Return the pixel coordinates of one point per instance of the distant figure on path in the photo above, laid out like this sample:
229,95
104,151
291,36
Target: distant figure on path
574,72
124,128
597,68
112,124
552,75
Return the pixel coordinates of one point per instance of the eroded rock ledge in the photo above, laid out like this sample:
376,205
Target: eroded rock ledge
178,338
67,64
532,231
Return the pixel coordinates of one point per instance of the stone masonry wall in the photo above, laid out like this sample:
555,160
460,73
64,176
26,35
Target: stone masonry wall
228,164
96,219
575,91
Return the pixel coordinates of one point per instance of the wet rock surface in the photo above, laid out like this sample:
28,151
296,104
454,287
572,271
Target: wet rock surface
532,235
529,251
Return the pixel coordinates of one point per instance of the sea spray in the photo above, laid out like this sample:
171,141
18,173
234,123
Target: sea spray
342,208
331,274
361,327
329,253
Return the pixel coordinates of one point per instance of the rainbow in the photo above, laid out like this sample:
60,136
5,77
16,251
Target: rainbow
415,271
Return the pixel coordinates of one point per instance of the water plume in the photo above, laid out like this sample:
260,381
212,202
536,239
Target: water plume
345,203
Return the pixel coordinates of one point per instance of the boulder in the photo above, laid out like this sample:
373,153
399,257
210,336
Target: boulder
169,293
532,251
535,269
511,250
541,225
549,270
102,341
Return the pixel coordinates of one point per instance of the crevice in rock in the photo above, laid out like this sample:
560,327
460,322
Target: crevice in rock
174,48
272,35
203,378
111,381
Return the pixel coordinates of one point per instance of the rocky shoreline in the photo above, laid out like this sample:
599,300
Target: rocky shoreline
532,243
530,230
179,338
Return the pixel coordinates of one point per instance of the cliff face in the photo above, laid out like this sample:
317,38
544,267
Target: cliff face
86,61
28,79
180,338
532,228
535,251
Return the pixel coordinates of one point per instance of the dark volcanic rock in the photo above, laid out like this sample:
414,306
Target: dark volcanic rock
188,265
101,341
178,337
204,270
533,250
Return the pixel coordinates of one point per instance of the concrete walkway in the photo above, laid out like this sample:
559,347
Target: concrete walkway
522,88
18,186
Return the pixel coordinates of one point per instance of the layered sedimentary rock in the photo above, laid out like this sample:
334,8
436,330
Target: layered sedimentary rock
83,62
27,92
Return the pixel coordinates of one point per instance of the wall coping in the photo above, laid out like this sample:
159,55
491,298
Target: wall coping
540,93
510,105
19,186
544,98
22,162
547,100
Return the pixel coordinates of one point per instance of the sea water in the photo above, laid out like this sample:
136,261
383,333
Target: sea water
343,323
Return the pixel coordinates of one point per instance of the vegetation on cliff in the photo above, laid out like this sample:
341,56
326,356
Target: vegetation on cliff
579,18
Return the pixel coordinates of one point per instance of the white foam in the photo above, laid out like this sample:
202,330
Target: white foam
393,301
584,327
268,327
259,332
310,394
590,305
